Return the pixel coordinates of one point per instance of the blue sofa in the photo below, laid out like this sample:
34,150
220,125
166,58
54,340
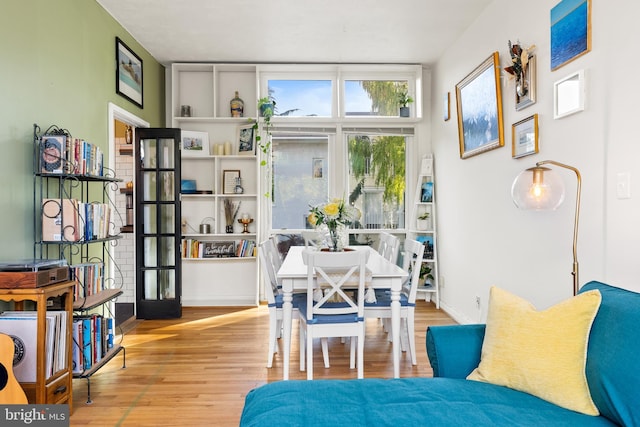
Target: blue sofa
448,399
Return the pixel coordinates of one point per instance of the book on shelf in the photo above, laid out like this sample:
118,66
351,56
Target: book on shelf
89,279
93,338
60,220
193,248
64,154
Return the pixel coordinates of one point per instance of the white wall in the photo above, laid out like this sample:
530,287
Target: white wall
483,239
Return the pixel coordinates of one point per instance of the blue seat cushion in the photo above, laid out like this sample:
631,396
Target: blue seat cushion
403,402
383,299
330,318
298,299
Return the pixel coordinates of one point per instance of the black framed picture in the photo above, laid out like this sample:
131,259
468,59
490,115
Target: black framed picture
128,73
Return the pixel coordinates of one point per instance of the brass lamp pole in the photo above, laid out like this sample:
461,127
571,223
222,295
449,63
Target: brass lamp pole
538,188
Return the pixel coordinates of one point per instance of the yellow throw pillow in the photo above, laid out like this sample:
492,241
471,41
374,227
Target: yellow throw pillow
542,353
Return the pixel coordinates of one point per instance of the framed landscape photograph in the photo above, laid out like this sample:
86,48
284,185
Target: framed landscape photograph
194,144
524,137
479,104
128,73
570,31
246,140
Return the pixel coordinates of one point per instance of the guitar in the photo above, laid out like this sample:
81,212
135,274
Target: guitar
11,393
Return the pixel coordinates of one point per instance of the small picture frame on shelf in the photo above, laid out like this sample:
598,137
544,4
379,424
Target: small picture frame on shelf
229,177
194,144
246,140
524,137
427,241
51,153
128,73
427,192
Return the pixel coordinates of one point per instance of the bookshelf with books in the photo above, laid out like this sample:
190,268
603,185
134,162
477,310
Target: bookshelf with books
74,221
221,174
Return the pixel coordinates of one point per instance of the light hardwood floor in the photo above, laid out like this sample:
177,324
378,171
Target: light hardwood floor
197,370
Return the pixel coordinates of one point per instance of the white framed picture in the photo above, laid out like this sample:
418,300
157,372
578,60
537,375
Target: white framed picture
568,95
194,144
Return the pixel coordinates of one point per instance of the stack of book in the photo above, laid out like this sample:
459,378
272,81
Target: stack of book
89,279
71,220
92,339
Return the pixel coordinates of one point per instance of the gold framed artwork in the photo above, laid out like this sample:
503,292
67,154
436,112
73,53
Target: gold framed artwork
446,107
570,31
524,137
479,105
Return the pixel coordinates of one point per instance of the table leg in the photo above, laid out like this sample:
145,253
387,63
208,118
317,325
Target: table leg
395,331
287,309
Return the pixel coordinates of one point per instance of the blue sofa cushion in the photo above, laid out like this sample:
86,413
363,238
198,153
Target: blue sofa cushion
402,402
612,369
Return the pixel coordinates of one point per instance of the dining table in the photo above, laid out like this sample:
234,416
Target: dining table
384,275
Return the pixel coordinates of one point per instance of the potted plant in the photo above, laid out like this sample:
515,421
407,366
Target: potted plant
404,100
266,110
425,274
422,221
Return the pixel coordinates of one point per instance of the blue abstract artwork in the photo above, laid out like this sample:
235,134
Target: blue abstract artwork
570,36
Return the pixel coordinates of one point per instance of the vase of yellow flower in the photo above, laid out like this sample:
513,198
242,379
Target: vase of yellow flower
335,215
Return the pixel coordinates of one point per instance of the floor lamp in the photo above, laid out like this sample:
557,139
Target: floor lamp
539,188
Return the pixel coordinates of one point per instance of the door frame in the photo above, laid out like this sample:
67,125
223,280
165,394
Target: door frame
116,112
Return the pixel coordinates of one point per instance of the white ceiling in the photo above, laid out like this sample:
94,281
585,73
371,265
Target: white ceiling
301,31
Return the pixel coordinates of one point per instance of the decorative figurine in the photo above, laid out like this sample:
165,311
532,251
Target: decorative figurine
237,106
245,221
238,188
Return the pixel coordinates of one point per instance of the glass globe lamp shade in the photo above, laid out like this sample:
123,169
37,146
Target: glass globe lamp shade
538,188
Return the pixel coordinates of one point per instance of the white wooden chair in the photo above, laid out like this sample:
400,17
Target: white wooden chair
324,319
388,246
312,238
271,262
413,252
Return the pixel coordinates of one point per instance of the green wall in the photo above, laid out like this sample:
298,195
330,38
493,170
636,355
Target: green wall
57,66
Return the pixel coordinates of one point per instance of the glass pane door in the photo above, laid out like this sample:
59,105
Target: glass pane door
158,288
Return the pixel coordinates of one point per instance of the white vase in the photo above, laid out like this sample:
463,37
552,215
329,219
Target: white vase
423,224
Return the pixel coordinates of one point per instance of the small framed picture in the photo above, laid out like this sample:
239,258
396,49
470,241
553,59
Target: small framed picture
128,73
524,137
318,168
568,95
194,144
52,153
229,180
426,195
246,140
529,96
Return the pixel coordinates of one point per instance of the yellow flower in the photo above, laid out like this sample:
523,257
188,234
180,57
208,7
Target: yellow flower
332,209
313,219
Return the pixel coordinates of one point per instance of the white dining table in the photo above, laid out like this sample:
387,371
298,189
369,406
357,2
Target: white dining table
384,274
